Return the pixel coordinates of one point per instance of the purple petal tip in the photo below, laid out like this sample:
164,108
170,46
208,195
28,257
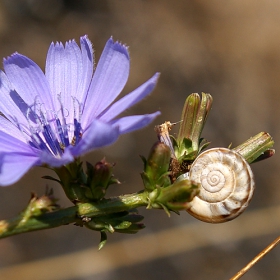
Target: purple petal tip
117,46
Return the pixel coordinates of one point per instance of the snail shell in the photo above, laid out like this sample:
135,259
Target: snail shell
227,185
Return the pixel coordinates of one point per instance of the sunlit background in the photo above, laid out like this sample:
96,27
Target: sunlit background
230,49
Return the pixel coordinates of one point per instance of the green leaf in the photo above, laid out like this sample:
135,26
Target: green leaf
103,240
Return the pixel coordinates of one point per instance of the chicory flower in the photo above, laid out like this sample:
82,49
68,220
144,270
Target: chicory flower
52,118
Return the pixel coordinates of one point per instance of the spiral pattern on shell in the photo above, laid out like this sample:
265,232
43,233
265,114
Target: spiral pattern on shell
227,185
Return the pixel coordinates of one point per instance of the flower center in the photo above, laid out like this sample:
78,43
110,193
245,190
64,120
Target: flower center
50,131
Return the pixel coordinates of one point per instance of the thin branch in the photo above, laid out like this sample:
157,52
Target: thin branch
256,259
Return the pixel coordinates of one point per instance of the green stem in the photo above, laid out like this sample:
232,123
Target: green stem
256,146
21,224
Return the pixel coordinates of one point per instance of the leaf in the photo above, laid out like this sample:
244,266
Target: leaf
103,240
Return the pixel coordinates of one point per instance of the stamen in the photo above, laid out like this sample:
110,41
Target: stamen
48,130
49,135
51,139
77,131
38,142
62,128
63,134
77,122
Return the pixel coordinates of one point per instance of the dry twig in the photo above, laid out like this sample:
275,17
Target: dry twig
240,273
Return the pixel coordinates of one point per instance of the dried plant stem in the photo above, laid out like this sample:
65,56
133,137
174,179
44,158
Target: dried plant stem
256,259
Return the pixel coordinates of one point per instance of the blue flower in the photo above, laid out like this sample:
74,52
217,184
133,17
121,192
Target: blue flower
55,117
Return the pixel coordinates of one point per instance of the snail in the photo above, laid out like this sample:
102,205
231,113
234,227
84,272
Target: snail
227,185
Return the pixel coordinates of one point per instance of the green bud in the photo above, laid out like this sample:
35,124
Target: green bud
99,177
174,197
85,187
72,179
156,167
194,116
43,204
39,205
188,117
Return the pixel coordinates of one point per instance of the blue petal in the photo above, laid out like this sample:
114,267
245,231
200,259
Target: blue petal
88,62
108,80
69,71
131,123
9,128
10,144
55,64
63,67
130,99
11,104
14,166
16,158
28,80
49,159
98,135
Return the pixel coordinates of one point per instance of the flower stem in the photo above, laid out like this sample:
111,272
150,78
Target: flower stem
23,223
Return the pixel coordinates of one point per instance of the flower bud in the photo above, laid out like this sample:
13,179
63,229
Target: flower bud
174,197
99,178
156,167
194,117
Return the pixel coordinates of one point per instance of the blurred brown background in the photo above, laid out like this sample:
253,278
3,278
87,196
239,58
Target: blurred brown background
227,48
